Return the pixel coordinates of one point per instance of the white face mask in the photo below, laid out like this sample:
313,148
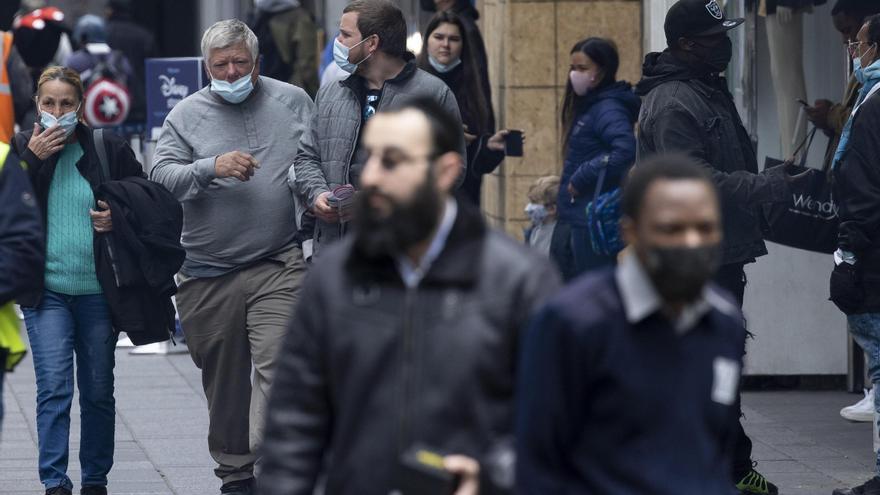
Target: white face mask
67,121
443,68
236,91
537,213
342,52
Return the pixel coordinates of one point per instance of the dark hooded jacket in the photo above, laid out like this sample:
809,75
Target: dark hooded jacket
686,110
603,128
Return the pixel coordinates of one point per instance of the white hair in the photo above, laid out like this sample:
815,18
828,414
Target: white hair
224,34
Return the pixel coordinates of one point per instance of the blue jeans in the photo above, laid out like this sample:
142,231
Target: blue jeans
59,328
865,329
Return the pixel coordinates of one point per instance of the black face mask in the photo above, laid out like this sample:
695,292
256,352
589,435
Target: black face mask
408,224
679,274
716,58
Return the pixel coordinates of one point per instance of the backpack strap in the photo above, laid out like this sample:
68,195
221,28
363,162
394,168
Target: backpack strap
98,134
600,182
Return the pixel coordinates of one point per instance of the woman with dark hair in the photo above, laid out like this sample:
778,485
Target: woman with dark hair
447,52
598,115
469,15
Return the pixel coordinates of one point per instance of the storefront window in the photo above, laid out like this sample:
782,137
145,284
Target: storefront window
741,76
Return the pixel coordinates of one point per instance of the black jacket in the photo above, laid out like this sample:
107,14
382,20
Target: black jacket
147,222
480,159
21,232
857,190
370,367
689,112
122,163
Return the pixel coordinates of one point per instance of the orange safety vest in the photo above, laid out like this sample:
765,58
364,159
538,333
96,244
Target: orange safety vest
7,110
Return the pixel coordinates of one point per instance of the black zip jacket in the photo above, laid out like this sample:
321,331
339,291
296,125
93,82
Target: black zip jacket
857,190
370,367
692,112
122,163
147,223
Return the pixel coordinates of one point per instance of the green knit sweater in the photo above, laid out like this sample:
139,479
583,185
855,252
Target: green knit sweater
70,256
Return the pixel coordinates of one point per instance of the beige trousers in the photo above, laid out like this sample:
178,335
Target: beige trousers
234,324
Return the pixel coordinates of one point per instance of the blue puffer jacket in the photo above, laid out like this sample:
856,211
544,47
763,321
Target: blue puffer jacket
604,127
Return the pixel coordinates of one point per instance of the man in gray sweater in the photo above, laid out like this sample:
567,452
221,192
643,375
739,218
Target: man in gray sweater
371,46
224,153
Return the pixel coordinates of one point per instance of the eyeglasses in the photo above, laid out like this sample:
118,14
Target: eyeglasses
855,48
390,159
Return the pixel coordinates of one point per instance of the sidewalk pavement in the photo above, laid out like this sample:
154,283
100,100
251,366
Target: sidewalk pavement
801,443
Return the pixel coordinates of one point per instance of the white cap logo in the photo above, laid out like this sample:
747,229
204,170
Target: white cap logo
715,10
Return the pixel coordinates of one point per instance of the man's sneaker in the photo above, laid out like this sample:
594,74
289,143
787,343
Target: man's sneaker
58,490
93,490
871,487
240,487
862,411
754,483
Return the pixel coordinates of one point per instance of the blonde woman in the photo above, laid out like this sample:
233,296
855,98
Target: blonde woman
69,318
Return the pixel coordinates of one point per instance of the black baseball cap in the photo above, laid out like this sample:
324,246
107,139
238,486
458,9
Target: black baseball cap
691,18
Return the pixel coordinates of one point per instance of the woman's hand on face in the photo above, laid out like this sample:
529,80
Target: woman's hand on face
45,143
101,220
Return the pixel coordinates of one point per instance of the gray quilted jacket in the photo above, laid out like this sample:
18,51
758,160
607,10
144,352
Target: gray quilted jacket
325,150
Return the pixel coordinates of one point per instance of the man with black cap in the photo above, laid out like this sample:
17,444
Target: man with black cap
688,109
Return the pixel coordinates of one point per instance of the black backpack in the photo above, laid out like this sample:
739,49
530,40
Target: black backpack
271,63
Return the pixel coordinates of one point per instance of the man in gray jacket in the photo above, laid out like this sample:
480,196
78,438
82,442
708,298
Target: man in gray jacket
224,153
371,46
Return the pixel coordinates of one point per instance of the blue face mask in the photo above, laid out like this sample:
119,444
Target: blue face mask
858,71
341,53
441,68
234,92
67,121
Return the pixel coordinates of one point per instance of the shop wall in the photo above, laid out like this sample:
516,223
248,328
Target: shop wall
797,330
528,44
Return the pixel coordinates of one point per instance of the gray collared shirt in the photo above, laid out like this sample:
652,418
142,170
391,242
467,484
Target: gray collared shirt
641,300
411,273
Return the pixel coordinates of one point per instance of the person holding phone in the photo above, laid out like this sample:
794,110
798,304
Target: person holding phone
848,17
448,53
598,114
68,316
